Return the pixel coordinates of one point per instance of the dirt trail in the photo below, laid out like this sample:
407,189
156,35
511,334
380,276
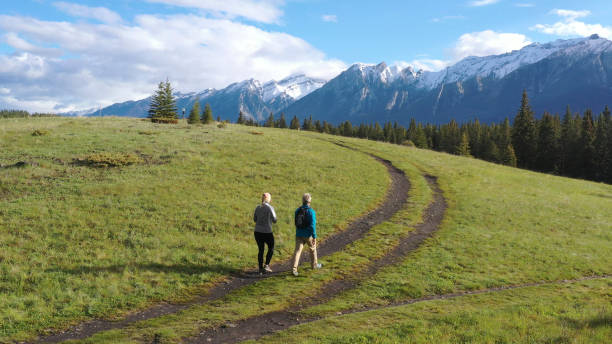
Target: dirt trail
259,326
281,324
395,199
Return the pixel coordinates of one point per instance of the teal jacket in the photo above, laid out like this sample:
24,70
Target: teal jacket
310,231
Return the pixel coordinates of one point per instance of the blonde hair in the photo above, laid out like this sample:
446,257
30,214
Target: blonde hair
306,198
266,197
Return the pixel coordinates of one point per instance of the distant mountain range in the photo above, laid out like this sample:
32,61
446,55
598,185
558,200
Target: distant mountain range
575,72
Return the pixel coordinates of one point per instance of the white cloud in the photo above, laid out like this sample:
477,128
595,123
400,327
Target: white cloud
265,11
486,43
477,3
99,13
119,62
330,18
572,15
524,5
570,26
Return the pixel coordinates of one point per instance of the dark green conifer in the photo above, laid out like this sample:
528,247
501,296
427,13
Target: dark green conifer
194,114
270,121
548,145
282,123
508,156
464,146
163,104
588,145
295,123
207,116
524,135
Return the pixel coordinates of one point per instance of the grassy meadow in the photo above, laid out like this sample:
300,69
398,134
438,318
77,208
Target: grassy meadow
79,242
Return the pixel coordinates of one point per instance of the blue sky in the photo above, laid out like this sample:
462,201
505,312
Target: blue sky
68,55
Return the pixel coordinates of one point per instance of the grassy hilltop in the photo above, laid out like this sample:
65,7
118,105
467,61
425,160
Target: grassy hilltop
79,241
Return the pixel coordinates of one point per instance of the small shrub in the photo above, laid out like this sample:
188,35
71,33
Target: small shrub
221,125
164,120
40,132
147,132
108,159
408,143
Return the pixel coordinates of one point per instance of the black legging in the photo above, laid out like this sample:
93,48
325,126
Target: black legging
262,239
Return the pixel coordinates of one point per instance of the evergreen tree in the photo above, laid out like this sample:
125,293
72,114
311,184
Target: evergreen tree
308,124
508,156
295,123
450,137
270,121
207,116
524,135
194,114
548,145
318,126
569,161
491,152
464,146
163,104
281,121
474,131
588,145
241,119
327,127
608,160
346,129
378,132
419,138
601,146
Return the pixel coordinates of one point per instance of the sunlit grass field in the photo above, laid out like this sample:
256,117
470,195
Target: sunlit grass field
78,242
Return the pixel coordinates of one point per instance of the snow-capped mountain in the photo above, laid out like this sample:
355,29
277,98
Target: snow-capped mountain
254,99
575,72
295,87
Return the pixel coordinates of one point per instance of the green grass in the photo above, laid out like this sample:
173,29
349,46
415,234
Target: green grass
282,291
574,313
80,242
503,227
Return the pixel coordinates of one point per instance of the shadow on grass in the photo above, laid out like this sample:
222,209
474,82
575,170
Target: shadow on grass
595,322
184,269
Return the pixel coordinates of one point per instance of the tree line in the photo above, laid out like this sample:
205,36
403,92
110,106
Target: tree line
23,114
574,145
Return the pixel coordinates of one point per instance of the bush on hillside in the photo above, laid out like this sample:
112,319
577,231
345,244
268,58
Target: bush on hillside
108,159
40,132
165,120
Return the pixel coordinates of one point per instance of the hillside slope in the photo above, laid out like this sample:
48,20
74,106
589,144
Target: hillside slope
81,242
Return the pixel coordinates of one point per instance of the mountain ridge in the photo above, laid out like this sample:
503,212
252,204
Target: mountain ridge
575,72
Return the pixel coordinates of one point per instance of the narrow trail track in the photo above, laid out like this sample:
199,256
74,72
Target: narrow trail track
395,199
413,301
265,324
